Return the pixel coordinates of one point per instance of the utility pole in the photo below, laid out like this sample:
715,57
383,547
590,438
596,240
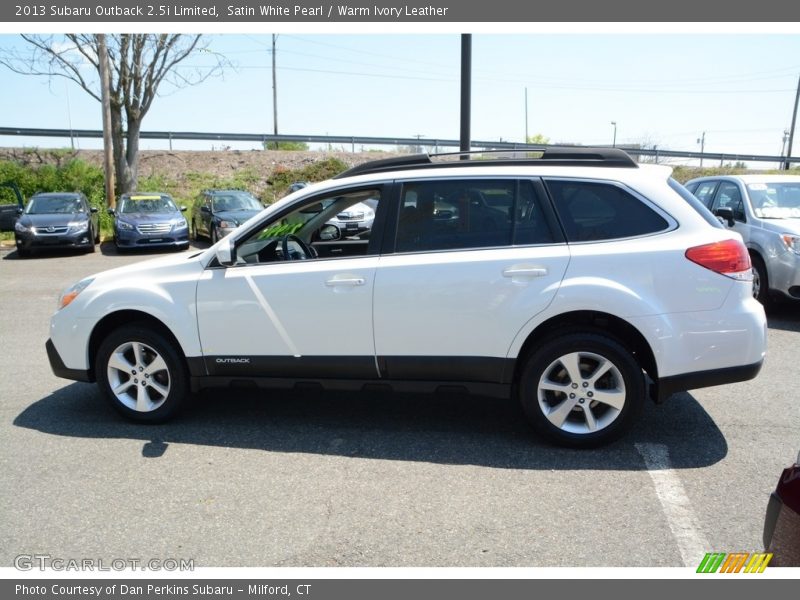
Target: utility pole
702,141
614,141
274,92
787,165
105,88
466,91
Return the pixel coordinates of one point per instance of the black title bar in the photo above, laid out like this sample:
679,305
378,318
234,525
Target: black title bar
413,11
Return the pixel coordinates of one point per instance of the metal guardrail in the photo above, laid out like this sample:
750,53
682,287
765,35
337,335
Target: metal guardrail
381,141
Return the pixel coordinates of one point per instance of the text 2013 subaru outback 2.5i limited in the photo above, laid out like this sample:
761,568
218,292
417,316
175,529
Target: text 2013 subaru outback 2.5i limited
579,281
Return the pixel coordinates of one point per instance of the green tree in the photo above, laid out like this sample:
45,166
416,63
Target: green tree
538,139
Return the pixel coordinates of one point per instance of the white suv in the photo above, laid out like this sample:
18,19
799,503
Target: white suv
579,281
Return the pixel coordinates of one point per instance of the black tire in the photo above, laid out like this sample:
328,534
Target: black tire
97,237
214,236
760,281
93,239
23,253
160,393
620,380
194,231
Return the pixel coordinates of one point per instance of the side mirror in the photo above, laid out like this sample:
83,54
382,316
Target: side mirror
725,214
205,209
183,209
329,233
19,210
111,211
93,209
225,253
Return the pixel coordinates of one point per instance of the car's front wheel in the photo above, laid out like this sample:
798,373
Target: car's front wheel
760,280
581,389
92,241
141,373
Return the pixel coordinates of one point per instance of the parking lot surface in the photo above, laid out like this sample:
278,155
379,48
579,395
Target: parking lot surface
322,479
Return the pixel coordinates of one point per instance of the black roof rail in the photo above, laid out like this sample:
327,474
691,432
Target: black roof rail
562,156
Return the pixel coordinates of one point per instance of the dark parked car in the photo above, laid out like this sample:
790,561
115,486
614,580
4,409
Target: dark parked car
10,212
782,523
57,220
217,213
149,219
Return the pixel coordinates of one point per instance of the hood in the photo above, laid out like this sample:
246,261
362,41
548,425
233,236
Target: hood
152,268
239,216
782,225
52,220
149,217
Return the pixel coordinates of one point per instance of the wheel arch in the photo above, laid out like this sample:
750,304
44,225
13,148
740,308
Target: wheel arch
119,318
591,322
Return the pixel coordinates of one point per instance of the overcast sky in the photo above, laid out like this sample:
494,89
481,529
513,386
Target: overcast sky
664,89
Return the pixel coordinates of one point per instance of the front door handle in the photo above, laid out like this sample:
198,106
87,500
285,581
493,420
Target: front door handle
524,272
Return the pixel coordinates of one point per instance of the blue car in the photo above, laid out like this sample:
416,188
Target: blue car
152,219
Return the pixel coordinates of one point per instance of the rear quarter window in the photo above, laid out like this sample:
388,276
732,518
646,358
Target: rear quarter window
696,204
592,211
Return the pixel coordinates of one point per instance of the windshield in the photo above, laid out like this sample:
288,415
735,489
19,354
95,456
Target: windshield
147,204
44,205
241,201
775,200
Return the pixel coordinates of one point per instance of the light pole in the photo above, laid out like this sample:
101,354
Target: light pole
614,142
702,141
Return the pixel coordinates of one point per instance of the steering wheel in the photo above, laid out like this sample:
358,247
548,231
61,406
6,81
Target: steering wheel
306,250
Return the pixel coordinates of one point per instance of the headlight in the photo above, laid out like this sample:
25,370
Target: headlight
228,224
20,227
180,224
123,226
78,226
69,294
792,242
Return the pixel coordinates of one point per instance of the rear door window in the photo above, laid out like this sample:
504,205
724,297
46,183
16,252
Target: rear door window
705,191
459,214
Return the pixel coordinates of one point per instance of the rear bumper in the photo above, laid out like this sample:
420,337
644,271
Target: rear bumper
60,370
700,379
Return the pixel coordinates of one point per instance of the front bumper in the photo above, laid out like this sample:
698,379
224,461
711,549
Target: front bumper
784,275
782,521
60,370
125,238
32,241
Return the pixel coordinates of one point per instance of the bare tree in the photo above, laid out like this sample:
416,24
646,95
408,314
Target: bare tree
139,63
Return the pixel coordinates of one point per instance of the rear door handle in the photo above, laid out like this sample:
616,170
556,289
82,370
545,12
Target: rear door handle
524,272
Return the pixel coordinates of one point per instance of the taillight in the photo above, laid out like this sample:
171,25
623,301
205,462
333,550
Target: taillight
729,258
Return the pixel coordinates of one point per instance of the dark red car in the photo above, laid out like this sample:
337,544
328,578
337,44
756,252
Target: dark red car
782,523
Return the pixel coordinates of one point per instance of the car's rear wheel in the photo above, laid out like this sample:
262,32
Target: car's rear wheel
581,389
141,373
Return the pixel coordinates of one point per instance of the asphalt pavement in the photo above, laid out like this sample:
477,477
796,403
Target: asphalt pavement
332,479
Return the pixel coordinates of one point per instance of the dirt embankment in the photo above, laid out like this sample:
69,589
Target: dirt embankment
219,164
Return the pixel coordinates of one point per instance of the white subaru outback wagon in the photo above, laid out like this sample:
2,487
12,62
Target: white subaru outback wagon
579,281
